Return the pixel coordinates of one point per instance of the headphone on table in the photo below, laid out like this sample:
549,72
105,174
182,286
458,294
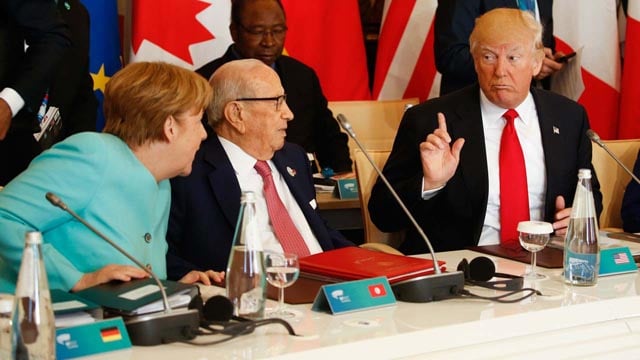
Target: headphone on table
481,269
216,315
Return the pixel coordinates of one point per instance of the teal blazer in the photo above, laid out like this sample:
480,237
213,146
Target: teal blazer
97,176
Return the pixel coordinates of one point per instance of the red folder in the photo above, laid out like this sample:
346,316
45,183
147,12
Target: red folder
354,263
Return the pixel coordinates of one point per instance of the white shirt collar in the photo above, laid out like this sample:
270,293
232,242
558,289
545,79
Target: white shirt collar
242,162
493,113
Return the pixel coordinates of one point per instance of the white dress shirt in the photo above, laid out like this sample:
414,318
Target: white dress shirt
12,98
528,130
249,180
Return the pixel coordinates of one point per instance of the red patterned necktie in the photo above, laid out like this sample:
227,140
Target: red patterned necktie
514,195
283,226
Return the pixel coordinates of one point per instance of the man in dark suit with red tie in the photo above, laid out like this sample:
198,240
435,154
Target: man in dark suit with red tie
449,164
247,152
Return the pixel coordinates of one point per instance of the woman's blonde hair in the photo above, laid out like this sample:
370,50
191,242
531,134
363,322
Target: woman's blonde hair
139,98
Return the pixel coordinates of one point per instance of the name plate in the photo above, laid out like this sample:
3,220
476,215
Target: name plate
616,261
346,189
354,296
94,338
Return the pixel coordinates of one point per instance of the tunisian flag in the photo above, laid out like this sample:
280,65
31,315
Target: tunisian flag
629,126
593,77
405,66
188,33
327,36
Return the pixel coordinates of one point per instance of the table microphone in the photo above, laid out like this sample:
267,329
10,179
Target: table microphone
593,136
425,288
148,329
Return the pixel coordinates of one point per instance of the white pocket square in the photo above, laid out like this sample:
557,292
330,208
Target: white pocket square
313,203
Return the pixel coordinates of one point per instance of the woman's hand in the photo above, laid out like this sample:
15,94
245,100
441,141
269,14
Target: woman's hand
108,273
203,277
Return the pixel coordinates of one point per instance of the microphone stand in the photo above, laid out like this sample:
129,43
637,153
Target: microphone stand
593,136
148,329
425,288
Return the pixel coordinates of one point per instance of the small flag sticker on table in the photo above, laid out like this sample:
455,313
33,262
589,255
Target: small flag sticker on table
377,290
620,258
110,334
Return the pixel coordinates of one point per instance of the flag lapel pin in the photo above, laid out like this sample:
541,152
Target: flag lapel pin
556,130
291,171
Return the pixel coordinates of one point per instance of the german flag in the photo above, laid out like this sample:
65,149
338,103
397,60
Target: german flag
110,334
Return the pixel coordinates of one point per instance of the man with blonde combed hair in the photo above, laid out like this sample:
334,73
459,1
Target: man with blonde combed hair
485,26
445,162
249,114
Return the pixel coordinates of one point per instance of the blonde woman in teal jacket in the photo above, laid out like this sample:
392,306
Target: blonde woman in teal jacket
117,181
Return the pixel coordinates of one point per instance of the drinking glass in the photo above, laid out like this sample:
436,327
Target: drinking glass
282,271
534,236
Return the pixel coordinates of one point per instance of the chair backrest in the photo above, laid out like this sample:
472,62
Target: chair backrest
367,176
375,122
613,179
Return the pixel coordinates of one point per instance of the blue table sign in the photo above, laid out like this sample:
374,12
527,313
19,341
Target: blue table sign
616,261
346,189
93,338
354,296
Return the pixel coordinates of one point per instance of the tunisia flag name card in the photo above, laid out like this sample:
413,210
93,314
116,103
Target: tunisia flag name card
351,296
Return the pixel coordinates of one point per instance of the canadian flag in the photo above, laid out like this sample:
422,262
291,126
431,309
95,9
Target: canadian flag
629,125
327,36
405,66
188,33
593,77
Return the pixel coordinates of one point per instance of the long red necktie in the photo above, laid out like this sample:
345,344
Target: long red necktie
283,226
514,196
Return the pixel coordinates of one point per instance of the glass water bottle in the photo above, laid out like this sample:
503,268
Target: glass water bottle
33,322
581,252
246,276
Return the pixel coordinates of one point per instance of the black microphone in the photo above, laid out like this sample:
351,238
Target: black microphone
593,136
425,288
148,329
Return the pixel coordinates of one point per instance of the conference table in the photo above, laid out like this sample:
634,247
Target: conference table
565,322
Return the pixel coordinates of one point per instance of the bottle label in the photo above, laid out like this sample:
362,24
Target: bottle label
251,301
580,268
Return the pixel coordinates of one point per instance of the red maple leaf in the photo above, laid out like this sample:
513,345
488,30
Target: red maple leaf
170,24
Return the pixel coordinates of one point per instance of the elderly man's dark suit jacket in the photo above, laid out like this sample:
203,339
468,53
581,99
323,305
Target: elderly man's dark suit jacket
454,22
453,219
313,126
205,207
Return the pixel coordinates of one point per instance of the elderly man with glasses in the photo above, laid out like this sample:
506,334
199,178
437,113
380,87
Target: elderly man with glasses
258,29
247,152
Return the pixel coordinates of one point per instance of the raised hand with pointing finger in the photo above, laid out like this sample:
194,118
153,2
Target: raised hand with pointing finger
439,157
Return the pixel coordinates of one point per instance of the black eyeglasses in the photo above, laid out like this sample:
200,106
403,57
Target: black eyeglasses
278,99
277,32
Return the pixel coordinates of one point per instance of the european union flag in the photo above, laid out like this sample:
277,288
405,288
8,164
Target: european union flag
104,47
